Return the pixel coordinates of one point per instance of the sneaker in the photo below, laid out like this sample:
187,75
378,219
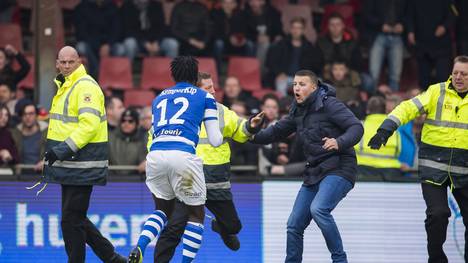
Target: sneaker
135,256
231,241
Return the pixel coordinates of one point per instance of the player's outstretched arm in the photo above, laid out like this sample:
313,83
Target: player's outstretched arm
215,138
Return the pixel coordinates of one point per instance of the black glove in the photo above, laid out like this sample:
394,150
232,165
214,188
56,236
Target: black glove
50,157
379,138
255,130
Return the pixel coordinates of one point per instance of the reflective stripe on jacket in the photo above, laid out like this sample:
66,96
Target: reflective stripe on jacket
444,149
216,161
77,132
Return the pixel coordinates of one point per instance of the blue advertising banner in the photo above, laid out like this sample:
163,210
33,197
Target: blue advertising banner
30,225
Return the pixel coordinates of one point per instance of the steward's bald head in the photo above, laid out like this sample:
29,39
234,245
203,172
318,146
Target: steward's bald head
67,60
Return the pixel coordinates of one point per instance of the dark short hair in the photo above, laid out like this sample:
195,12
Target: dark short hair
203,75
270,96
335,15
460,59
339,61
25,105
109,101
298,19
5,83
241,103
185,69
376,105
308,73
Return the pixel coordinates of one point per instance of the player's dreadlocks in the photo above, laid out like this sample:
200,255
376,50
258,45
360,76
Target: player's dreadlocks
185,69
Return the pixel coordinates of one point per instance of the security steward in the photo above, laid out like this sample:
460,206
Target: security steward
217,170
378,164
76,155
443,155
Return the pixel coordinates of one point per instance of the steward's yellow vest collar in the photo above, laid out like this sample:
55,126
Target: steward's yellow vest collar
73,77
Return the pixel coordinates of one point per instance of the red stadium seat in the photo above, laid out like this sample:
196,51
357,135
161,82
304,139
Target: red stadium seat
344,10
156,73
290,11
138,98
29,81
247,70
209,65
115,73
11,34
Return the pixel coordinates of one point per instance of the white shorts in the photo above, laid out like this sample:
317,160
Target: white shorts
176,174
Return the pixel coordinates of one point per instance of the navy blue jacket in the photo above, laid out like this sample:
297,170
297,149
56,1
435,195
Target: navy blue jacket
321,115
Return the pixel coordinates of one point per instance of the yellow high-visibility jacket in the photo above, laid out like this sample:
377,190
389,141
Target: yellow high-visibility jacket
444,149
216,160
77,132
386,156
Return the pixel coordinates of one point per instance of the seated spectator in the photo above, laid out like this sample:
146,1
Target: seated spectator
382,163
230,32
146,117
234,92
191,25
30,136
391,101
146,121
126,146
385,21
7,73
114,110
97,28
7,96
276,153
290,54
384,90
144,29
338,43
297,163
263,26
348,86
242,153
8,152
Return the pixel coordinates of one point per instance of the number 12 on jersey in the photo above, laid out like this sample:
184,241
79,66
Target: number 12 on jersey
175,118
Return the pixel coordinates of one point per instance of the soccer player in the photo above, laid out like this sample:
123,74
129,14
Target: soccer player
217,170
173,170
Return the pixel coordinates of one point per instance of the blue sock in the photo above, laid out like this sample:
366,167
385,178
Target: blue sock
192,241
153,226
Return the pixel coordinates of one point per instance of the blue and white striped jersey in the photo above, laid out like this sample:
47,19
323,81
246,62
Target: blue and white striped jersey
177,115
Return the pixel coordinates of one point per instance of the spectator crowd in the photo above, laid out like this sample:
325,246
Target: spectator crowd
381,53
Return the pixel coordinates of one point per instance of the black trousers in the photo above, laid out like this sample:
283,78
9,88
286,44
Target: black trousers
437,219
226,217
426,62
78,230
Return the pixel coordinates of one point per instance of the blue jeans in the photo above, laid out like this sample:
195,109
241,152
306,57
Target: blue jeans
390,46
316,202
